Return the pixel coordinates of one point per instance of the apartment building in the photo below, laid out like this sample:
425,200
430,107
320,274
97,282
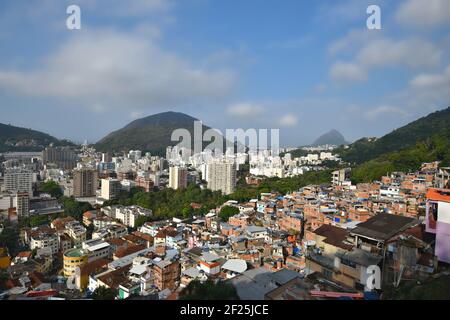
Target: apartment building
96,249
20,201
129,215
222,176
77,233
110,189
44,238
177,177
84,182
63,157
18,180
22,204
113,231
167,274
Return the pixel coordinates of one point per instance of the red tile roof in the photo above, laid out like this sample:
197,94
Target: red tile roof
438,194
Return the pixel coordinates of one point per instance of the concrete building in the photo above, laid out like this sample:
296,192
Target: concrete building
22,204
110,189
84,183
20,201
129,215
177,177
96,249
18,180
341,176
438,221
167,274
77,232
222,176
42,239
63,157
73,259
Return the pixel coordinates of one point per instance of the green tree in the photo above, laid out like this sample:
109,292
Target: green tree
52,188
209,290
35,221
103,293
187,211
227,212
10,238
141,220
74,208
3,278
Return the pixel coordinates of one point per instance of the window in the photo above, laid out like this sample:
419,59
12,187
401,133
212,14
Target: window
327,274
348,263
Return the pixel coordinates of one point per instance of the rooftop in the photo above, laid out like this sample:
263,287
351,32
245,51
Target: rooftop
255,283
74,253
383,226
334,236
438,194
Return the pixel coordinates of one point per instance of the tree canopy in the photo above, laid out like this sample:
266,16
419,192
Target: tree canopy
209,290
52,188
103,293
227,212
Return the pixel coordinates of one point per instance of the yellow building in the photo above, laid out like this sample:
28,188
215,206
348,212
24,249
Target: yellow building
73,259
5,259
96,266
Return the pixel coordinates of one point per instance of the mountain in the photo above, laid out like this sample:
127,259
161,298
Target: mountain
150,134
332,137
405,149
365,149
21,139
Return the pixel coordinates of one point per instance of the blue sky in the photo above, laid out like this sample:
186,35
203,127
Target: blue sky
304,67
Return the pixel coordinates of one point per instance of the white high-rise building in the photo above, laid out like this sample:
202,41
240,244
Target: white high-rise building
222,176
20,201
22,204
19,180
177,177
110,189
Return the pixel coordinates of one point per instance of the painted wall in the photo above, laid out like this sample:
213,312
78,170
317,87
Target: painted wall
442,250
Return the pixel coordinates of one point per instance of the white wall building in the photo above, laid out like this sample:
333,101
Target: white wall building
110,189
222,176
18,180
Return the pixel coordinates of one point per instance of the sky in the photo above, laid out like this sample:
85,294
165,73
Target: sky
300,66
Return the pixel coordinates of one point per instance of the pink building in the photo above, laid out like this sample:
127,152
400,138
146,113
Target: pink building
438,221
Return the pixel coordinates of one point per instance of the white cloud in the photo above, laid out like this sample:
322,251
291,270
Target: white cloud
347,72
288,120
245,110
380,52
123,8
424,14
432,80
351,40
411,52
344,11
429,90
116,69
384,111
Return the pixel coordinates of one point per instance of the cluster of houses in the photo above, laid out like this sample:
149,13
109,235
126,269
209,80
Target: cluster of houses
319,242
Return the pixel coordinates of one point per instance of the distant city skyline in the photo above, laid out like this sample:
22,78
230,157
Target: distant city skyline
303,67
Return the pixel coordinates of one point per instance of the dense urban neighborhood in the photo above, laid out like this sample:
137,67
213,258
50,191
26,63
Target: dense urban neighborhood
209,159
81,224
